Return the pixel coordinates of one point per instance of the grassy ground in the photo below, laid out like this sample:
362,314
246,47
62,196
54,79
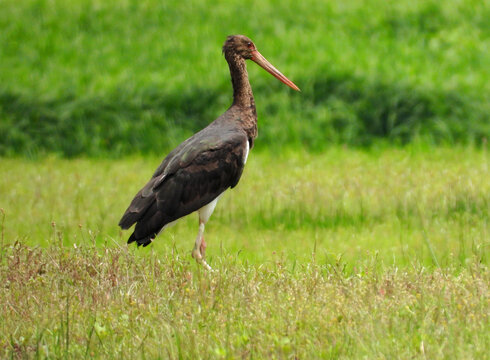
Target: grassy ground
113,77
329,253
379,254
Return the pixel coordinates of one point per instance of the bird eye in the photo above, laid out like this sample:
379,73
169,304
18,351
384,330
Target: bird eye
249,44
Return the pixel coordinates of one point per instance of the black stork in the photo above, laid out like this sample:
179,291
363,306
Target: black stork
196,173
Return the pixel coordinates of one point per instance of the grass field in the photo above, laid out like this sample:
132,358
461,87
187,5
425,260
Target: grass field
379,254
360,228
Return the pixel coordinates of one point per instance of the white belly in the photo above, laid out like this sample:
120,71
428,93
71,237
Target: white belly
206,211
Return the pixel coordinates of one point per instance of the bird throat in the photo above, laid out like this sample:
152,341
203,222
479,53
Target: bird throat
242,91
243,98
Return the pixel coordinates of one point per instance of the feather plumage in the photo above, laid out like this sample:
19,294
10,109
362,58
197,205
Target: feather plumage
199,170
191,176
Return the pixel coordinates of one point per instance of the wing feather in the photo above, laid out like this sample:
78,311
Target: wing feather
195,175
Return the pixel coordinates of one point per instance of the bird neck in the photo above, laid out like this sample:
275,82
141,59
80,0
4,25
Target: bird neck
242,92
243,98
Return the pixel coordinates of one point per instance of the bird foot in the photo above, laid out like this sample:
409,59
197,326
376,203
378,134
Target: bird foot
206,266
196,254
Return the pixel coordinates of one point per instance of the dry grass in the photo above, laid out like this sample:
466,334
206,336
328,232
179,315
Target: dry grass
107,302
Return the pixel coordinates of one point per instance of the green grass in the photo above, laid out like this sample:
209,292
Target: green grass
111,303
342,201
344,254
114,77
322,251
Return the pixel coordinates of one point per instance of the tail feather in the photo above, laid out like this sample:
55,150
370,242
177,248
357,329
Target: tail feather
148,225
145,241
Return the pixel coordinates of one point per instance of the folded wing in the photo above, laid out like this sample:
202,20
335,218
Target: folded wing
191,176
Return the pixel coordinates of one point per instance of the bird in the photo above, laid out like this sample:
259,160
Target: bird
194,175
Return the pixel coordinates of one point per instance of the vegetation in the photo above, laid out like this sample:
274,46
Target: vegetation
115,77
109,302
341,202
359,229
345,254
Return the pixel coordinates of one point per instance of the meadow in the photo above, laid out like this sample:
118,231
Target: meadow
360,228
346,254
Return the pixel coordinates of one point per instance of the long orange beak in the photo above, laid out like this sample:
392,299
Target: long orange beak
262,61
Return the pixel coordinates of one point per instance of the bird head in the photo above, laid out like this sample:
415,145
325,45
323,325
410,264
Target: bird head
243,47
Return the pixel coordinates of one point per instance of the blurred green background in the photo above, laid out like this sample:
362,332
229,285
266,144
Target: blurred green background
110,78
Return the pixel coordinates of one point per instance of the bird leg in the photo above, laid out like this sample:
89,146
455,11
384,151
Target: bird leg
203,248
200,247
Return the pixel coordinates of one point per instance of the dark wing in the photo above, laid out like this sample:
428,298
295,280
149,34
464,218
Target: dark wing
190,177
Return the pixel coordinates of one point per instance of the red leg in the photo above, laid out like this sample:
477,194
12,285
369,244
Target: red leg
203,248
